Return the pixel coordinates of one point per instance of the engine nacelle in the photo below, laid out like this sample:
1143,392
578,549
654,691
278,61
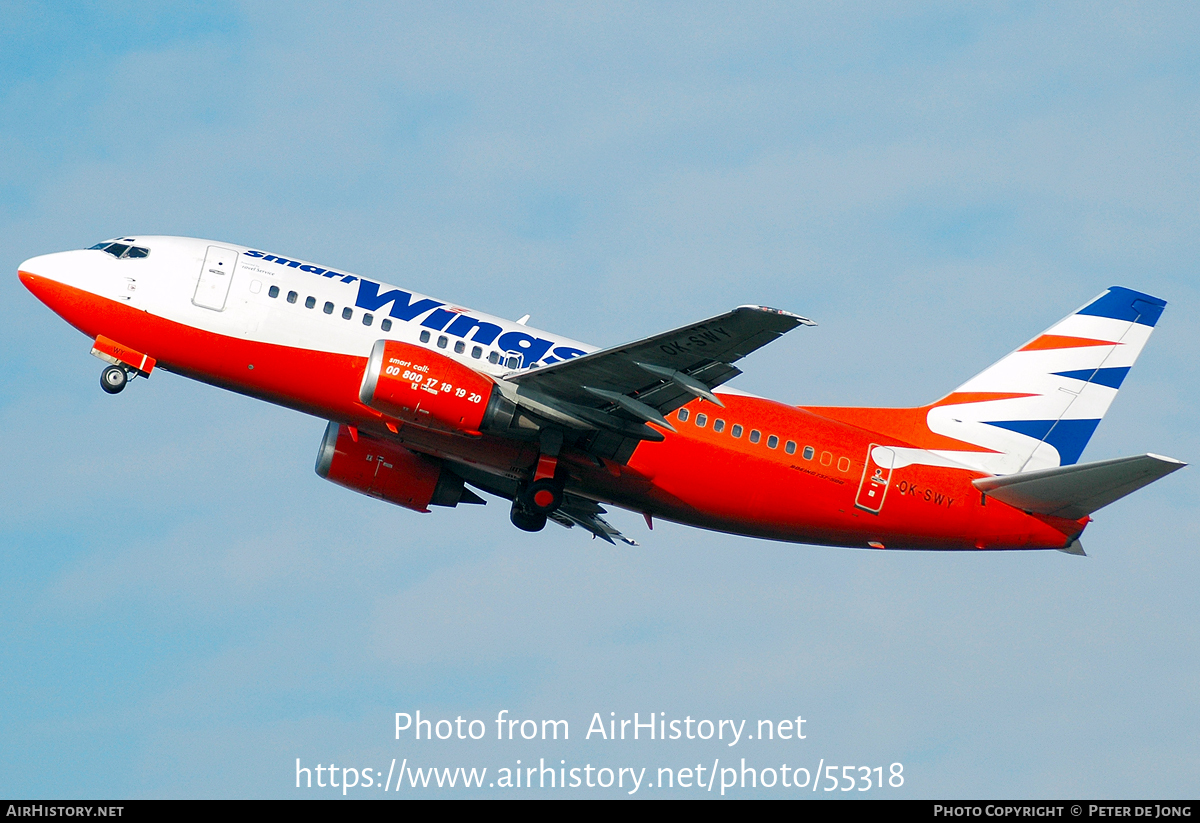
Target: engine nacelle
426,388
388,471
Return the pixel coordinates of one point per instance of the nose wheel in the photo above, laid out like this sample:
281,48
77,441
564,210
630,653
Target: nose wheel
124,364
113,379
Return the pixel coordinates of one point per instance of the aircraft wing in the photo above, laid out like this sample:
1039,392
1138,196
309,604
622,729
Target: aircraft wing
624,387
579,511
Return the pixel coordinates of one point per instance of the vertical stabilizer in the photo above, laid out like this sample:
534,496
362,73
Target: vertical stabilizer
1038,407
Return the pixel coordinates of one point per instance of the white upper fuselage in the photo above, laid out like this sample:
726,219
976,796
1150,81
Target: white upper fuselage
312,307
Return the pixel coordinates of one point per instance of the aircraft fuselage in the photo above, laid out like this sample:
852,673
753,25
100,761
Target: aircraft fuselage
299,335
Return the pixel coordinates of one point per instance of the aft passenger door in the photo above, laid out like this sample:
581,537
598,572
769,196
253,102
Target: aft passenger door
877,475
212,289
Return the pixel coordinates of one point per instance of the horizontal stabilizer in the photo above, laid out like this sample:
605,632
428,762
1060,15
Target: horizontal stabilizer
1075,548
1077,491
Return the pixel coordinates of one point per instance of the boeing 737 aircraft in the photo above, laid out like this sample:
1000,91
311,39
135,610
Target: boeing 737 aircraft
426,399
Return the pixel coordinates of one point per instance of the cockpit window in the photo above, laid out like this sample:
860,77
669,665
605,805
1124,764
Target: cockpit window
121,250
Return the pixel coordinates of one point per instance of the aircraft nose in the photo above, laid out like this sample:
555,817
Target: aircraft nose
71,268
38,286
28,273
46,277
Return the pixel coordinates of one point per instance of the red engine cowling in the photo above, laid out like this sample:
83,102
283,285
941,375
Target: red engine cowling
426,388
388,471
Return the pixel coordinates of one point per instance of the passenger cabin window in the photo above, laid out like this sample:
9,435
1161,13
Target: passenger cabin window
368,319
273,291
772,442
683,415
292,297
310,302
347,313
460,347
718,425
425,337
386,324
736,431
328,308
808,452
442,341
701,420
755,435
514,361
494,357
477,352
790,447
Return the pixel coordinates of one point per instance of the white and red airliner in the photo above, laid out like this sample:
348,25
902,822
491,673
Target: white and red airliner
426,399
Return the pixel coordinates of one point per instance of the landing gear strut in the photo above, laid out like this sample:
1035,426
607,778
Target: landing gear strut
126,364
545,493
543,496
113,379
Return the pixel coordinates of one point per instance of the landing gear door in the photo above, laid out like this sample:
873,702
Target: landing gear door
877,476
212,288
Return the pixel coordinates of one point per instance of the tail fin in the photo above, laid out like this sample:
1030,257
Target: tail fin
1038,407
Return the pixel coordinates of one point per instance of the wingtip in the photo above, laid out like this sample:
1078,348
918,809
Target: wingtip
801,320
1178,463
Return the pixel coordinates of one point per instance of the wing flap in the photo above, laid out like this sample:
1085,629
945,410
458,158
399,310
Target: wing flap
579,511
1078,490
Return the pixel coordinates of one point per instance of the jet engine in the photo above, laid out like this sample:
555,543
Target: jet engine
389,471
431,390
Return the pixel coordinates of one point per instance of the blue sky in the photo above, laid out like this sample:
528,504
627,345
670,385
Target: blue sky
188,608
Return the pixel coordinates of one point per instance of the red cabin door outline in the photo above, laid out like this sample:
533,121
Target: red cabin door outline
877,476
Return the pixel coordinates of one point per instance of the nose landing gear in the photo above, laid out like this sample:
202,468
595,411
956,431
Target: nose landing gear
113,379
126,364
